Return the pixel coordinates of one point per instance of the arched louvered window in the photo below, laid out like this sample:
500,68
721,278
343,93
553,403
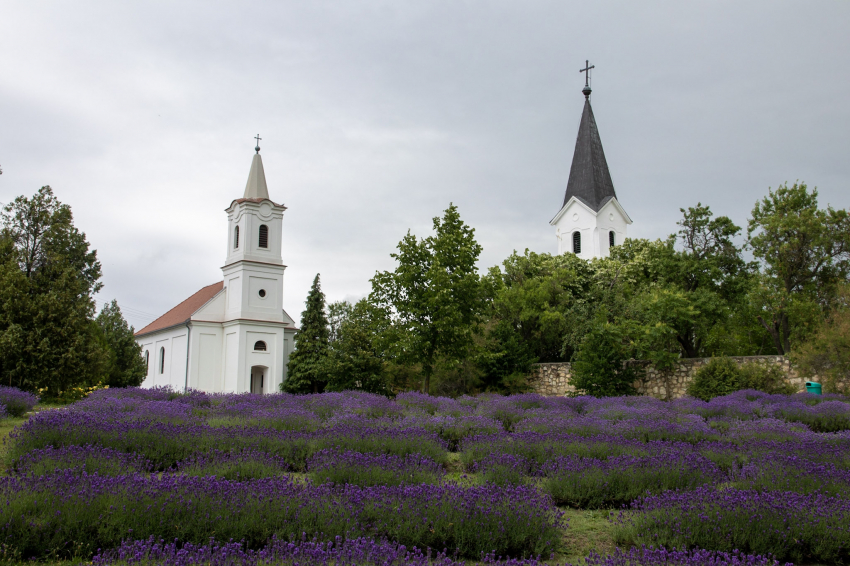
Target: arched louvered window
576,242
162,360
264,236
147,360
611,239
259,346
236,238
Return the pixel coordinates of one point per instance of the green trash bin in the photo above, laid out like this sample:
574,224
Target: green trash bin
814,388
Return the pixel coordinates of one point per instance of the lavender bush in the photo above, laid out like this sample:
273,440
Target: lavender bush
349,467
340,552
649,556
43,515
239,466
16,402
592,484
80,459
810,528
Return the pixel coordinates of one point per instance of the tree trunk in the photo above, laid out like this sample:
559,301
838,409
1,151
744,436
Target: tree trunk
773,330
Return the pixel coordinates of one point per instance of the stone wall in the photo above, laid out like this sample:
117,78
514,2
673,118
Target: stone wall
553,378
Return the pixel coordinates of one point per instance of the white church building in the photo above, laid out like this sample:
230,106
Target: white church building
591,220
231,336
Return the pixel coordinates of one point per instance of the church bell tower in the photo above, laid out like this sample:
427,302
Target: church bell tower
253,270
591,220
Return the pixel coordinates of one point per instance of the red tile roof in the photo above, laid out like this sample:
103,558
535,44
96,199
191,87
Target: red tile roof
184,311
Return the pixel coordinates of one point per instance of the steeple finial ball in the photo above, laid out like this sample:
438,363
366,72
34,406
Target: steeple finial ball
586,91
258,138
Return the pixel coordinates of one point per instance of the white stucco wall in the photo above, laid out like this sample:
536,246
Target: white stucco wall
172,342
594,228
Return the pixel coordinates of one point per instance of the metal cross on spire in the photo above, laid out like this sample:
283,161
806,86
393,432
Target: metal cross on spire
586,71
258,138
587,67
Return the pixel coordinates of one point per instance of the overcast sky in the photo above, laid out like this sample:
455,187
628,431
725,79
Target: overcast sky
376,115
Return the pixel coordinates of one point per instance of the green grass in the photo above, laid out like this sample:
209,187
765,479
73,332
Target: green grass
6,426
588,530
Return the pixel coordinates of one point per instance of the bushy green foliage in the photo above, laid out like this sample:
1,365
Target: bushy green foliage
433,296
600,367
354,361
124,366
805,253
721,376
308,363
826,354
48,276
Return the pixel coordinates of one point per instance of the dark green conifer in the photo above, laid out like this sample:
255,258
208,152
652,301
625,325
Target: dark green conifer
124,364
307,364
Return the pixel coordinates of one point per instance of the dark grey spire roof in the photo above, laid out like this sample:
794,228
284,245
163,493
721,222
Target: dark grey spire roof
590,180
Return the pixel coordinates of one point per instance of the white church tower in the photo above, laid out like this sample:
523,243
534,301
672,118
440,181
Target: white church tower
591,220
231,336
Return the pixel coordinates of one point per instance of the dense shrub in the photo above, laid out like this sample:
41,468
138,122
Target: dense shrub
594,484
722,376
343,467
342,552
42,514
17,402
810,528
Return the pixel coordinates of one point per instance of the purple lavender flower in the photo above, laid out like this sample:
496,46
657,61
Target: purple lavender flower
16,402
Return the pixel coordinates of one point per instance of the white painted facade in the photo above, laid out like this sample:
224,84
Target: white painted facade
239,339
594,228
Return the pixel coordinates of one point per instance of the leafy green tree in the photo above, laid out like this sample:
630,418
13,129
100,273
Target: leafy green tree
826,353
124,366
711,272
433,297
805,252
308,363
353,362
600,365
48,275
534,296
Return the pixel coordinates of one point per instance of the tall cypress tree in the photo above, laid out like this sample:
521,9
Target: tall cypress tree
124,365
48,275
308,363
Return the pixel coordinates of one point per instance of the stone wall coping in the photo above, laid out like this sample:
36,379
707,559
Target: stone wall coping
772,357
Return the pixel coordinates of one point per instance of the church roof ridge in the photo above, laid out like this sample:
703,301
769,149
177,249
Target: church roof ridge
183,312
590,180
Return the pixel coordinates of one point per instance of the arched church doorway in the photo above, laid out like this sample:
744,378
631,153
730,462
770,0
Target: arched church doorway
258,379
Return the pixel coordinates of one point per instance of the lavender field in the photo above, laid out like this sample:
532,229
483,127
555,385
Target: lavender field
139,476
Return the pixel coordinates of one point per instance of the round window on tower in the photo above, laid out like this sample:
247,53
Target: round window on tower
262,293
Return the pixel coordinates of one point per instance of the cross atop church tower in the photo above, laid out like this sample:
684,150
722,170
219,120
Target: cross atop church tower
258,138
587,67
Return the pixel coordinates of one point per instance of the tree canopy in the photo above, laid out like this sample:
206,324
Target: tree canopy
433,297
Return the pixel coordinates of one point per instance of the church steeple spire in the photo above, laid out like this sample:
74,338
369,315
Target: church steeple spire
591,220
256,186
590,181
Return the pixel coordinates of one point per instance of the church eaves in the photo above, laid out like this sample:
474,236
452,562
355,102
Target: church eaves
256,187
590,181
